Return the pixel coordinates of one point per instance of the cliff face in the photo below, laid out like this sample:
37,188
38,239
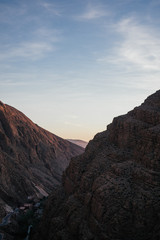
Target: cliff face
31,159
112,191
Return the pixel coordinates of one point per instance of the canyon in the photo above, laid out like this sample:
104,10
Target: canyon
112,190
32,159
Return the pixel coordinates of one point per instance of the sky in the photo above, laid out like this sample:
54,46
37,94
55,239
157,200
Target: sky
72,66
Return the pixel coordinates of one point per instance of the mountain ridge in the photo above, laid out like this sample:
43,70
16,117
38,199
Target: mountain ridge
111,191
30,156
78,142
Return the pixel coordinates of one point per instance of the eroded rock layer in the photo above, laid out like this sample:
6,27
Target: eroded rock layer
31,159
112,191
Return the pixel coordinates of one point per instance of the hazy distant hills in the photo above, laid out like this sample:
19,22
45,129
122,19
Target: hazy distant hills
78,142
31,158
112,191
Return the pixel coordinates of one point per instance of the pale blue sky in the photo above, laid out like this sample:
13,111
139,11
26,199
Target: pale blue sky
73,65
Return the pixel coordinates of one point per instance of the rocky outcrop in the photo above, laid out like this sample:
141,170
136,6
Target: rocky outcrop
112,191
31,159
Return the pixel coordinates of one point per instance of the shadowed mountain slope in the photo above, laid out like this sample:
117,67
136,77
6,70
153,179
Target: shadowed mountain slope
112,191
31,159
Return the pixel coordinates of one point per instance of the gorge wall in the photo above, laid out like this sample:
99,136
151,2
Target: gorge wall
112,191
31,159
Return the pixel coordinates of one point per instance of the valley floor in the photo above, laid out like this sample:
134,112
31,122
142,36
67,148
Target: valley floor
18,224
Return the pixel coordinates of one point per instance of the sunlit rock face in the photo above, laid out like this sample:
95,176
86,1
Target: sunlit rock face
31,159
112,191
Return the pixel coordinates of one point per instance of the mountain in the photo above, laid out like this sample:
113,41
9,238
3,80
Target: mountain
112,191
31,159
78,142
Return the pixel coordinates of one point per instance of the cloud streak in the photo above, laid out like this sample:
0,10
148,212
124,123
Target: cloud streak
43,41
10,14
51,8
140,45
32,50
92,12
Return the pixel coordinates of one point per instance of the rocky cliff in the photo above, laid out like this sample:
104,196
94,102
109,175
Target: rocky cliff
31,159
112,191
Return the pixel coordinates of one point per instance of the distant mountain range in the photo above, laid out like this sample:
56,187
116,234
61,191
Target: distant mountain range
31,159
78,142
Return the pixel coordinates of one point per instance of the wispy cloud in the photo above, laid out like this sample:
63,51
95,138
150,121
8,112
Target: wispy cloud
32,50
10,13
93,12
42,41
51,8
139,45
9,83
46,34
21,78
29,34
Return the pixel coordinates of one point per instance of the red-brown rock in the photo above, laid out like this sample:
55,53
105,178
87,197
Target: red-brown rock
31,158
